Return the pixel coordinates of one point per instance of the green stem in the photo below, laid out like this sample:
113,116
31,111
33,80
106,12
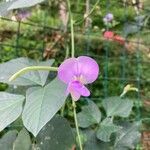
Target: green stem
62,110
72,54
76,124
87,15
31,68
72,30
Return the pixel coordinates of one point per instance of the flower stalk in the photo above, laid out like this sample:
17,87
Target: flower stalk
76,124
31,68
72,55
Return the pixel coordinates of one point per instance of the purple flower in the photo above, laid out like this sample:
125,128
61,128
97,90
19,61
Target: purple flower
108,18
77,72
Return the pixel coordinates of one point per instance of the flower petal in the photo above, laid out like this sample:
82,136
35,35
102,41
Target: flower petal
75,95
77,89
67,70
88,69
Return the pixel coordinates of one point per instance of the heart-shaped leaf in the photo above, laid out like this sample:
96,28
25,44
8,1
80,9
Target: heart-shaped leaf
115,106
89,115
30,78
10,108
106,129
56,134
42,103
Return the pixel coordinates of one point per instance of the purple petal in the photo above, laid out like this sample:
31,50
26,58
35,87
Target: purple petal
88,68
75,95
109,17
83,68
77,89
67,70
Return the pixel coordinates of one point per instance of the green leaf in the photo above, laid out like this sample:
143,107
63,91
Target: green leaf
131,28
89,115
42,103
56,134
115,106
128,137
106,129
24,3
93,143
3,8
29,78
6,142
10,108
23,141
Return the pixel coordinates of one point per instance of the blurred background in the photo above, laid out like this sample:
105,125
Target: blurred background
43,32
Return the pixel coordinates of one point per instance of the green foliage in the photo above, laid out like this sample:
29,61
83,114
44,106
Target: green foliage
56,134
6,142
128,136
42,103
16,141
15,4
115,66
23,141
93,143
30,78
23,3
106,129
89,115
10,108
116,106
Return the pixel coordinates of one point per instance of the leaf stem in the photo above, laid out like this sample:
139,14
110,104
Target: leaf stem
31,68
76,124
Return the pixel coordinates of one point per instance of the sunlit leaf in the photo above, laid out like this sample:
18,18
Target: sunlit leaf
5,7
10,108
42,103
24,3
29,78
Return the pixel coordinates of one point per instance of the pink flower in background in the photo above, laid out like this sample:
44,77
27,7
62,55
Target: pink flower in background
108,35
77,72
108,18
